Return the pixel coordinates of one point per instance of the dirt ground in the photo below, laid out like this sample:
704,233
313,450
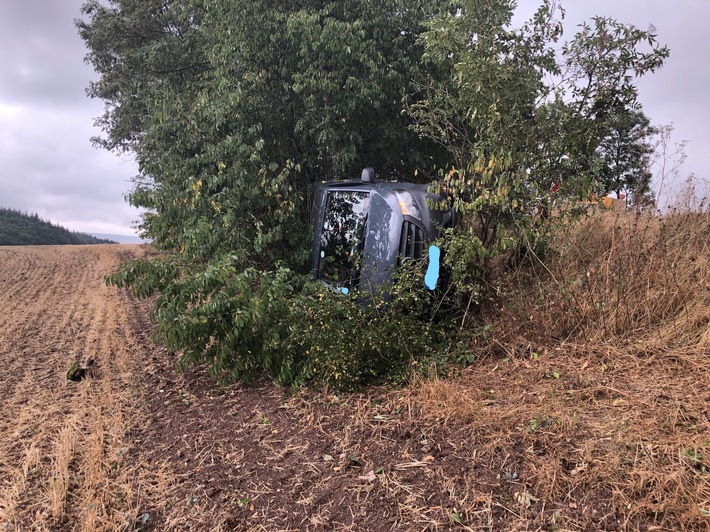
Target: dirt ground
541,441
61,442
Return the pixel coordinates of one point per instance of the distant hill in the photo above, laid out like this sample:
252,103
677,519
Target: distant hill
121,239
22,229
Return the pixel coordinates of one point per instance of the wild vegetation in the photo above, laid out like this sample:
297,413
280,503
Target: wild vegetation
231,128
22,229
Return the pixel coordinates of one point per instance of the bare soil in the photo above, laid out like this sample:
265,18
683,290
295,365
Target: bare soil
572,438
61,442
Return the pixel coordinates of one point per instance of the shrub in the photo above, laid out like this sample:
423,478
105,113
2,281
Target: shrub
286,327
359,339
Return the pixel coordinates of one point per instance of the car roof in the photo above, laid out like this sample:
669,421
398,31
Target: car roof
379,186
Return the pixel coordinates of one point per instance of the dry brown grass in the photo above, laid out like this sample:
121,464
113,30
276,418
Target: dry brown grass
597,372
621,278
62,455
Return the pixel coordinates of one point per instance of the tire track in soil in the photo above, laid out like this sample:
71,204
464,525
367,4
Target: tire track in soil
60,441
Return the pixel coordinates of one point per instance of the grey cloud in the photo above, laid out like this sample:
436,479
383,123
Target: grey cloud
50,165
41,54
47,162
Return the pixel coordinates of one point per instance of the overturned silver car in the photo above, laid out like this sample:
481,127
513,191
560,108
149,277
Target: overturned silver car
365,228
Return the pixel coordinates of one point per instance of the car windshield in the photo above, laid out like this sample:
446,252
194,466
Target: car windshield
342,237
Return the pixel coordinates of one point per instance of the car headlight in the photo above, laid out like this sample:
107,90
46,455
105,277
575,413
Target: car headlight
408,205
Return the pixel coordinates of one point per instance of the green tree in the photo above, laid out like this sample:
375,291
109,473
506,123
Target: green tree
522,121
139,48
626,157
21,229
234,109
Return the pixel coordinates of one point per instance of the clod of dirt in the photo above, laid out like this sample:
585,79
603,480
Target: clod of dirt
77,372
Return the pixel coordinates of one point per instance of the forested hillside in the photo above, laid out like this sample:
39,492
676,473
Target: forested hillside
22,229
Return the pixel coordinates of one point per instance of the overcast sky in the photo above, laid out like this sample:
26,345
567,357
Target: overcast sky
48,165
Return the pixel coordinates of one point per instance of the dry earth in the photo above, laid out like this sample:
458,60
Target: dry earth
60,441
556,440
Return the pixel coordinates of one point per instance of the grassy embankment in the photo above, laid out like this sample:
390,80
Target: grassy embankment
598,366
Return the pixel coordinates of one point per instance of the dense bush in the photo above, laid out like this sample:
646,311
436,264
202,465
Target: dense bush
287,327
235,109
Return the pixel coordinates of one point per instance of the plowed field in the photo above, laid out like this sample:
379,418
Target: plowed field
571,438
60,441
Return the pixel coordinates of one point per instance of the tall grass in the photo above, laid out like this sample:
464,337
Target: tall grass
617,277
597,364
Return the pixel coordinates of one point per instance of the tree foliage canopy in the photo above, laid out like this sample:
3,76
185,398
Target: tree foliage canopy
524,117
513,92
626,156
235,108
